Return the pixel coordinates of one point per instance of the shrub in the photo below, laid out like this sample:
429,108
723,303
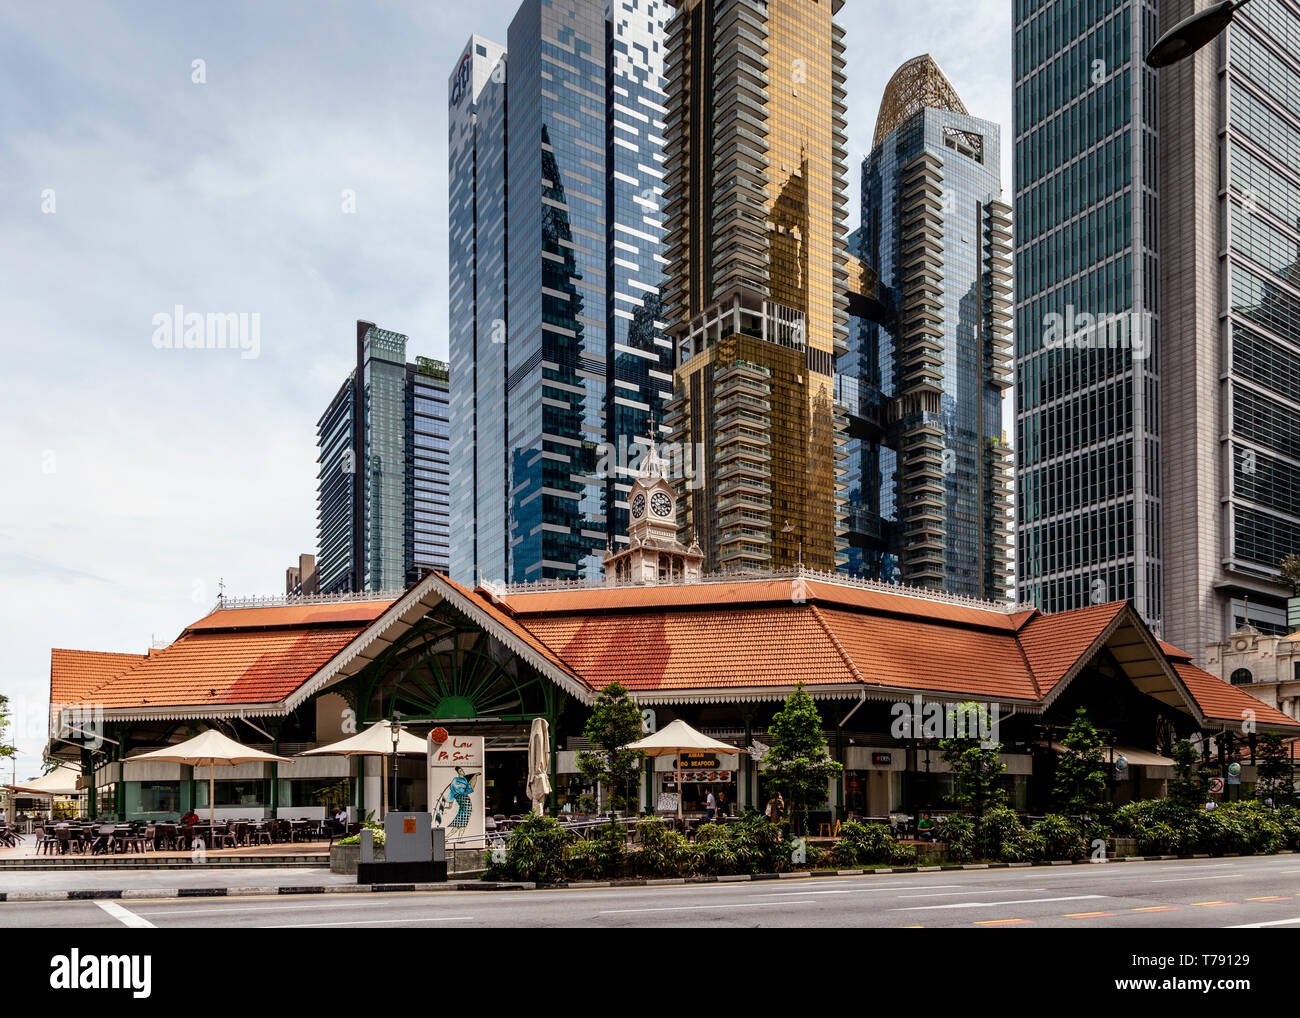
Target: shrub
663,852
1003,837
1057,837
535,850
866,845
355,839
957,834
604,857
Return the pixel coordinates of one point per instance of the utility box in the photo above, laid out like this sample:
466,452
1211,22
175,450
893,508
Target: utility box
406,837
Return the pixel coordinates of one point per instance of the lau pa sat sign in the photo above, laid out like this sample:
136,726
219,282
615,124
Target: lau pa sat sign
456,786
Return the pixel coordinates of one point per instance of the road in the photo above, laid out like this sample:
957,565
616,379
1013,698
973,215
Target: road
1262,891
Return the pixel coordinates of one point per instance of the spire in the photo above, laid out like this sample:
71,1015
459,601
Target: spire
653,466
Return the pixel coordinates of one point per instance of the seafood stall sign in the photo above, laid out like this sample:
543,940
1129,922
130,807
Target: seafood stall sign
456,787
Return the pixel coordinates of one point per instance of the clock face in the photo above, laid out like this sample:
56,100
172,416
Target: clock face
661,504
638,506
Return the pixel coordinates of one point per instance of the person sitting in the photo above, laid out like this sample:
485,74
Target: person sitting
341,819
189,818
926,827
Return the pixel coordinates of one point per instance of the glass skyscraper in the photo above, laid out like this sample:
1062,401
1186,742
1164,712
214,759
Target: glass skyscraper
1087,343
929,352
382,502
1230,321
557,350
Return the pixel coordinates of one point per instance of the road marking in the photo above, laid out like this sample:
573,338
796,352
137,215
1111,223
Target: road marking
705,908
1086,915
872,890
1212,904
1001,922
1260,926
124,916
1159,908
1272,897
1213,876
995,890
372,922
284,904
991,904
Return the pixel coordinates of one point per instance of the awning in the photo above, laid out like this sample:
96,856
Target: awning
1135,757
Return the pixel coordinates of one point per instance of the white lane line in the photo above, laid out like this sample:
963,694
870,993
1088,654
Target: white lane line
874,890
1213,876
125,917
372,922
992,904
1260,926
996,890
705,908
217,910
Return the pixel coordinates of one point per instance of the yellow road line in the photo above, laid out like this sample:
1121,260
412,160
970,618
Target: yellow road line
1001,922
1086,915
1213,904
1159,908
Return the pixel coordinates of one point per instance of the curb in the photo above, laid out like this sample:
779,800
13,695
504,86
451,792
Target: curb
477,885
237,892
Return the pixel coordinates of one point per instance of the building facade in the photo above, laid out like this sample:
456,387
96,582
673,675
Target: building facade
1088,390
931,350
559,359
383,484
1230,321
755,212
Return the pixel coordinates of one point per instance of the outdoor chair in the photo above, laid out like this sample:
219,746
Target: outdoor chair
260,834
46,842
124,838
223,837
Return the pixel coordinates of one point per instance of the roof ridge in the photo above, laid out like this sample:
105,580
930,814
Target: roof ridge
844,654
1029,669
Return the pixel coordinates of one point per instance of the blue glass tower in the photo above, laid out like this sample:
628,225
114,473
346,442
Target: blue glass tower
558,360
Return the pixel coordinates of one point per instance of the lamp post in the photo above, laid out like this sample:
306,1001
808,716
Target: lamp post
395,731
1192,34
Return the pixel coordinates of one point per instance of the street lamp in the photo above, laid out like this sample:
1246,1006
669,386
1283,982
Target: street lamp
395,730
1191,34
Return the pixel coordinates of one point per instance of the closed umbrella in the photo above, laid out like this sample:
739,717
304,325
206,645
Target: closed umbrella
377,740
675,739
539,762
210,749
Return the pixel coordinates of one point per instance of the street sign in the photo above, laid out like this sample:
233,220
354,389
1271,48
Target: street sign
1216,786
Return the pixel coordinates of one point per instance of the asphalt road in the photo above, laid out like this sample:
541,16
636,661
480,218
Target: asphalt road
1261,891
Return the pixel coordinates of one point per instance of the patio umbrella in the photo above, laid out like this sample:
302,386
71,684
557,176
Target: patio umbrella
539,761
210,749
675,739
60,781
377,740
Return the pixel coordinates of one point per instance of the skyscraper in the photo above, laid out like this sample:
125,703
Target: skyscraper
1230,321
756,296
558,357
929,352
382,501
1088,390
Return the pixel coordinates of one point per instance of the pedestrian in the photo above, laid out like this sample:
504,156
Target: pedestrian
775,808
710,807
722,804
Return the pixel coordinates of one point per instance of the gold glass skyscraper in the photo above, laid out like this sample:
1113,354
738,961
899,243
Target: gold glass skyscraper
756,300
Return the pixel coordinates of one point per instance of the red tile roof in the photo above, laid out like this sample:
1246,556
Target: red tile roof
1223,701
74,673
747,634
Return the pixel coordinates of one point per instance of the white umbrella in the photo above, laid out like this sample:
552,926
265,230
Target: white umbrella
210,749
60,781
377,740
539,762
675,739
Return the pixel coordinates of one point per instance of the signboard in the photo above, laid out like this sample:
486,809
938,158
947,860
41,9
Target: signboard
1216,786
1234,774
667,803
698,762
462,79
456,786
883,759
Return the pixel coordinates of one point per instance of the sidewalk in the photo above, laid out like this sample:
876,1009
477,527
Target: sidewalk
59,882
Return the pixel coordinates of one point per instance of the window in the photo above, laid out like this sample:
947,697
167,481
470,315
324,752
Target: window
1242,677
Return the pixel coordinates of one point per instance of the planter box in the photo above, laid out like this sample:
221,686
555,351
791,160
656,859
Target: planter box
1124,846
344,858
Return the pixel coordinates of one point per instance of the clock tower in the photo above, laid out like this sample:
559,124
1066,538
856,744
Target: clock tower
653,554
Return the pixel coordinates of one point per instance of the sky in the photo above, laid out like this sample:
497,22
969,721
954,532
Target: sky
282,159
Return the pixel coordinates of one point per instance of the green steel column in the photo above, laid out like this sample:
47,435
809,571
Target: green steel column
649,785
839,781
88,772
119,796
361,789
748,761
193,797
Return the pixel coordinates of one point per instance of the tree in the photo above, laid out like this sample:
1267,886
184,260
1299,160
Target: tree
1187,789
976,766
1273,770
1290,567
615,721
8,746
1081,773
798,764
